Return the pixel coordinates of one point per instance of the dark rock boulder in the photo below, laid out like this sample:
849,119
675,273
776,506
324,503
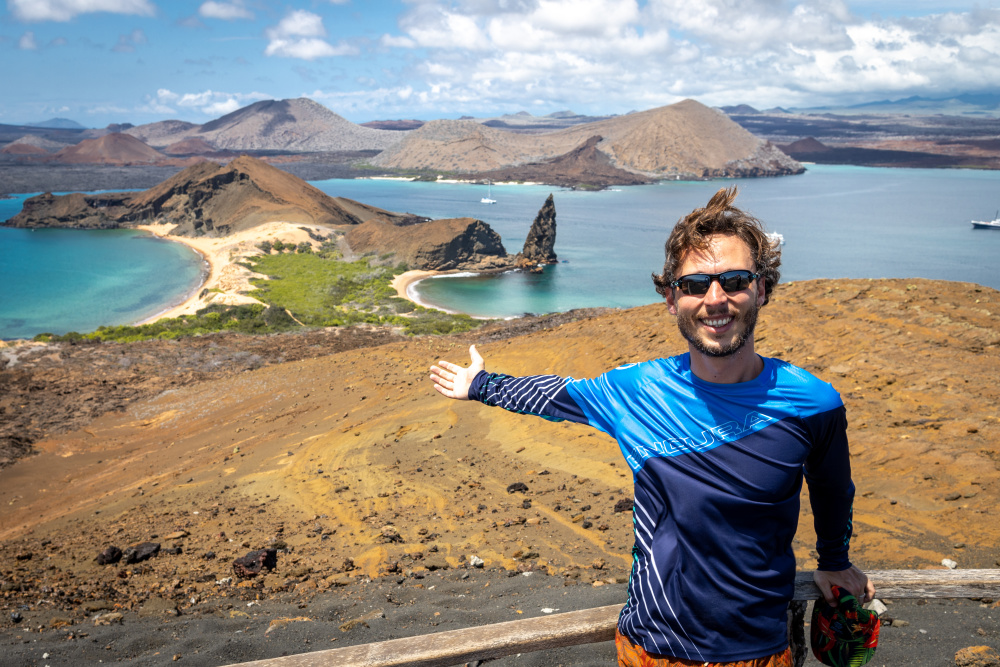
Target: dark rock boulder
109,556
141,552
255,562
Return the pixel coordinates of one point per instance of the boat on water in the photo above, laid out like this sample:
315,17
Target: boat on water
488,199
775,237
991,224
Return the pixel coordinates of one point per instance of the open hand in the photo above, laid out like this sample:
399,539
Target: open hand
454,381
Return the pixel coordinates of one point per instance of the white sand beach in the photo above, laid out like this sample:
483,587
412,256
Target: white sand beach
227,281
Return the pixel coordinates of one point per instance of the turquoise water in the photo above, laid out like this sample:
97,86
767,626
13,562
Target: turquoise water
58,280
838,222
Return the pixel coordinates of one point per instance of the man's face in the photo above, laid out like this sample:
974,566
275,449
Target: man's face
717,323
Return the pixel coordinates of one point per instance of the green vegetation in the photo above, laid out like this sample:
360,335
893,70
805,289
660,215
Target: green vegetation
305,288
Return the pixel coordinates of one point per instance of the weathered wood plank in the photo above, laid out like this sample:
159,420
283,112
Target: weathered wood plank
902,584
454,647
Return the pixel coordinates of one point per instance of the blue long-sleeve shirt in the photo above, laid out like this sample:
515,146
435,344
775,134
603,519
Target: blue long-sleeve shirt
717,471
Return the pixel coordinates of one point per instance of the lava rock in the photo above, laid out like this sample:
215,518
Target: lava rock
141,552
255,562
109,556
623,505
517,487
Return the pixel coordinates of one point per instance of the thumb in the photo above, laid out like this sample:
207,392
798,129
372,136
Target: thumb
478,364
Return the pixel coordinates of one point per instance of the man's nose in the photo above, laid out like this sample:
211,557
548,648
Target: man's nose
715,294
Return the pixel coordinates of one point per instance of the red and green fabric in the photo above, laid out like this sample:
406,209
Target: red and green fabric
845,635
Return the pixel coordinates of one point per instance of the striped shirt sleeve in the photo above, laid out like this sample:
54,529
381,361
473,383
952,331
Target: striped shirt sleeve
540,395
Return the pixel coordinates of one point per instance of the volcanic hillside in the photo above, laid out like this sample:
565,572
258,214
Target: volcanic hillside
681,140
205,198
298,125
351,455
114,148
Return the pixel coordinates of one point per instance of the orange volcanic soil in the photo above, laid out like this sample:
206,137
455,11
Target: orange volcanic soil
353,456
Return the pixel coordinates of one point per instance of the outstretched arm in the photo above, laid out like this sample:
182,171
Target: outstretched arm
452,380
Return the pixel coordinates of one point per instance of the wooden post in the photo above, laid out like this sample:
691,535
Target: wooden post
453,647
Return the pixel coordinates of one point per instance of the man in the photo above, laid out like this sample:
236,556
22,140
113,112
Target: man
718,440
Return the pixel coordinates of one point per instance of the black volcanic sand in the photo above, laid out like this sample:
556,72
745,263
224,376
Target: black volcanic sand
241,629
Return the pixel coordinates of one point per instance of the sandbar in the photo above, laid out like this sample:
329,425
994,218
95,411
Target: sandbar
227,282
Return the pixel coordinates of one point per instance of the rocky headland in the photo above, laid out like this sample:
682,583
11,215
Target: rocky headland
377,496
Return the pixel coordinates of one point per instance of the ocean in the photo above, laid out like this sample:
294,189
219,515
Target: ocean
838,222
61,280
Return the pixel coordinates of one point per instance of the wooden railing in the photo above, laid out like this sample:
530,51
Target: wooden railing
454,647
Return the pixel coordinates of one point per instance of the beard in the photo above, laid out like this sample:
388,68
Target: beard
745,323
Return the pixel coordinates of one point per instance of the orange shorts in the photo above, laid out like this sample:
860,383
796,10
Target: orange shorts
631,654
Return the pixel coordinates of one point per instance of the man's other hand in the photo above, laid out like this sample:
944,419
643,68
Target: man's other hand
454,381
853,580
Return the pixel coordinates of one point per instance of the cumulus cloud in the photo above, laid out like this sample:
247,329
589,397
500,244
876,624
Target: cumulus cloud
594,53
27,42
301,35
226,11
210,103
65,10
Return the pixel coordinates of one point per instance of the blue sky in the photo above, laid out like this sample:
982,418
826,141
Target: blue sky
138,61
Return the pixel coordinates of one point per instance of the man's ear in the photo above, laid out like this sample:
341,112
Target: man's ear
671,302
761,291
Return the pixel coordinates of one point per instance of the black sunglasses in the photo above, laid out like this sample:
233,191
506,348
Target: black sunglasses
696,284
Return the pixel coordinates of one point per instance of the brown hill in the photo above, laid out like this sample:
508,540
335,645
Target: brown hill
163,133
682,140
437,245
115,148
205,198
298,125
190,146
19,148
584,166
244,193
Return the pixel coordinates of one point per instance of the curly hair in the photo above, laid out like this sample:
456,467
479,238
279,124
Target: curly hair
719,216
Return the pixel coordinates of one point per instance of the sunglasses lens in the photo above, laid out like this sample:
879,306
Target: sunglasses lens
734,281
696,284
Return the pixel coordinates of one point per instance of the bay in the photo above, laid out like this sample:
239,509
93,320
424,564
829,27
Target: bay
61,280
838,222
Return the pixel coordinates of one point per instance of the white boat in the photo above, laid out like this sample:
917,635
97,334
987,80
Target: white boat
488,199
992,224
775,237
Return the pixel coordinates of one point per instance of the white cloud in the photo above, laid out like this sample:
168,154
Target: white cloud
226,11
65,10
221,108
618,55
298,23
299,35
27,42
210,103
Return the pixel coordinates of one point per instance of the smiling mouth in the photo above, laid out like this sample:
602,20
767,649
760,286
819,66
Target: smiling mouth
717,322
